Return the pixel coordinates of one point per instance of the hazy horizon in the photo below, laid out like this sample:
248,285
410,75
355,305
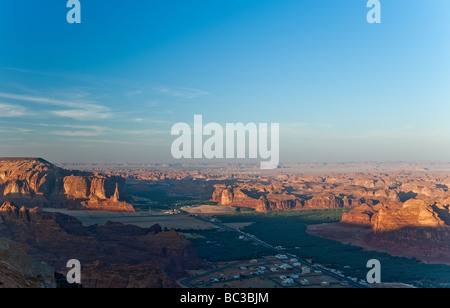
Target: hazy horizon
111,88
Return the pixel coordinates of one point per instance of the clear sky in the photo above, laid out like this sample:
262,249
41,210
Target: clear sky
111,87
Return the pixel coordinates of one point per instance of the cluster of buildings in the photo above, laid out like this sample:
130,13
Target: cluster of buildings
299,270
276,271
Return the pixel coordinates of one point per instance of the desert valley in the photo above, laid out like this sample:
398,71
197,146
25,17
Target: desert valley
162,225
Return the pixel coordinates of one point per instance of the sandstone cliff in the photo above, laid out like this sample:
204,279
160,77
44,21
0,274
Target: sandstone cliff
273,198
234,196
416,228
331,191
36,182
394,216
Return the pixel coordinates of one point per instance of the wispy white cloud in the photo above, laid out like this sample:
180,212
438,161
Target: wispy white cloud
77,133
77,130
15,130
89,114
95,130
80,110
188,93
41,100
133,93
11,111
144,132
151,121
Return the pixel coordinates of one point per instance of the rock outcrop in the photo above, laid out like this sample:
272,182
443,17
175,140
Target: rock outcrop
417,228
234,196
19,270
265,198
291,191
413,213
124,252
397,216
34,182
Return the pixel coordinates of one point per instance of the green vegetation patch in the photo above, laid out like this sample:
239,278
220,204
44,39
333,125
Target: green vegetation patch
288,229
219,245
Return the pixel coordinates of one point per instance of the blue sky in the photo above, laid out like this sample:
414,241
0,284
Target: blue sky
111,87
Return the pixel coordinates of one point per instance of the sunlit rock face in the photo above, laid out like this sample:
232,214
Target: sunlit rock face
34,182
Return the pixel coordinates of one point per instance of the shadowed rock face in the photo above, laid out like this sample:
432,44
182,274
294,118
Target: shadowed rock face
112,255
417,228
36,182
19,270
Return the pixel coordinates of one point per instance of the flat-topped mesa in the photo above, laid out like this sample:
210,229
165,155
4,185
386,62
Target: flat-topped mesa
34,182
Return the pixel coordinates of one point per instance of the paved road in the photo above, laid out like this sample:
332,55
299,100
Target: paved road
280,251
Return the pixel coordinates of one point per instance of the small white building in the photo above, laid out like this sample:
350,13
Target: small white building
304,282
287,282
262,268
306,270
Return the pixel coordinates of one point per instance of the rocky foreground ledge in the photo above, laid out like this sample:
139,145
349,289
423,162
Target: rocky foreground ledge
34,182
113,255
19,270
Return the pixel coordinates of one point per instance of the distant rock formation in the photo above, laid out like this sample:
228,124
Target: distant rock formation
417,228
112,255
397,215
34,182
413,213
331,191
267,199
229,196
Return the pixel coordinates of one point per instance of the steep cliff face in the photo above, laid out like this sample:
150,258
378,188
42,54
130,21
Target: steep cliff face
413,213
324,201
281,202
36,182
234,196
